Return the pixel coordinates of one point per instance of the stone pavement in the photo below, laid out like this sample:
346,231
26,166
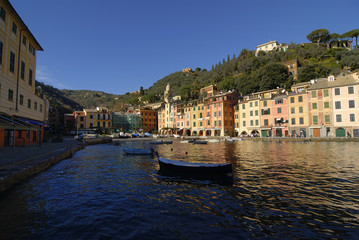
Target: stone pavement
19,163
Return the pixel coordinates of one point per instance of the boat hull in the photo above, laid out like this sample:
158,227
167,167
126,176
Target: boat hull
194,168
135,151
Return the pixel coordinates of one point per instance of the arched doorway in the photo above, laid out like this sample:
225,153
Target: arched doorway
208,133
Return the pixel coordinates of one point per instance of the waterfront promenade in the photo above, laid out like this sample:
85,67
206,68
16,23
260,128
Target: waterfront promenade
19,163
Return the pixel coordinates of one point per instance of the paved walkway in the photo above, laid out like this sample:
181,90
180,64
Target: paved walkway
14,156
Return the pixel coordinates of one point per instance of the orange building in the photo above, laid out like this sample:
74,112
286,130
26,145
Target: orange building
149,119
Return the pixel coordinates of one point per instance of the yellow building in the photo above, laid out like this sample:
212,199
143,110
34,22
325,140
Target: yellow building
17,71
298,114
91,118
247,118
320,108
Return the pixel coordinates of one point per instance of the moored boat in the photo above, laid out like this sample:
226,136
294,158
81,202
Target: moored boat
138,151
161,142
200,142
211,169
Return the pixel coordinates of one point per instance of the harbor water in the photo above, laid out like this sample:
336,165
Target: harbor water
280,190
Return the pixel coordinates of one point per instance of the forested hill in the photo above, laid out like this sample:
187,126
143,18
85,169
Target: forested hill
248,73
56,98
244,72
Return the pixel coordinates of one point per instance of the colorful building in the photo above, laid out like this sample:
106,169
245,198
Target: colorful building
149,119
247,119
345,99
298,114
320,109
266,108
22,112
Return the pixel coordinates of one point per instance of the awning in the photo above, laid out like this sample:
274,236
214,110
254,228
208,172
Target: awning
200,119
33,122
265,128
279,127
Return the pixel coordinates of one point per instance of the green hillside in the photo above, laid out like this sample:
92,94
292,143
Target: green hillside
245,72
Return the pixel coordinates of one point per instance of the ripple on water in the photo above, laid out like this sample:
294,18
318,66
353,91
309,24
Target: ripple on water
281,190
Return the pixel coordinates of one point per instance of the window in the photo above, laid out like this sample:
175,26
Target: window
338,117
300,98
40,107
250,104
264,103
200,115
315,119
2,14
279,110
244,123
219,113
314,94
251,113
21,99
91,116
200,123
1,51
351,90
31,49
29,103
266,111
293,121
35,105
301,120
326,92
244,115
338,105
219,123
256,104
327,118
280,101
352,117
208,122
22,74
243,106
24,40
194,124
314,105
292,100
14,28
251,123
265,122
292,110
12,62
10,95
91,125
256,113
215,114
300,109
81,119
337,91
326,104
215,123
257,122
351,104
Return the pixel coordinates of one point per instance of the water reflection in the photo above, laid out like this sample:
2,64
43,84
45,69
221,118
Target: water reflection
280,190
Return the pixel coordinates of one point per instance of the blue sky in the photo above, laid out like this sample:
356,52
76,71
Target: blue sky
117,46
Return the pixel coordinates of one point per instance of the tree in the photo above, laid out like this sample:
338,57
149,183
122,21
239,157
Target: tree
185,92
227,83
319,36
142,92
353,34
272,75
312,71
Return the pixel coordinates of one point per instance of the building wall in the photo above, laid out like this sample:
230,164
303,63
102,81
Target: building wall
36,110
343,96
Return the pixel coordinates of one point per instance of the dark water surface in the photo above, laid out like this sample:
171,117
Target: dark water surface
281,190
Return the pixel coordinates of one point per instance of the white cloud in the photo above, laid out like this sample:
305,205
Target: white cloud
44,74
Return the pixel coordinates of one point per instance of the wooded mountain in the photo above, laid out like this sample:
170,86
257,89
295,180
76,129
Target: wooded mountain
246,73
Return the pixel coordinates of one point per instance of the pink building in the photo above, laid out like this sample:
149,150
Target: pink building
280,116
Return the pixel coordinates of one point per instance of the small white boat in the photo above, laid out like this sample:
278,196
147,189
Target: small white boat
138,151
176,136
